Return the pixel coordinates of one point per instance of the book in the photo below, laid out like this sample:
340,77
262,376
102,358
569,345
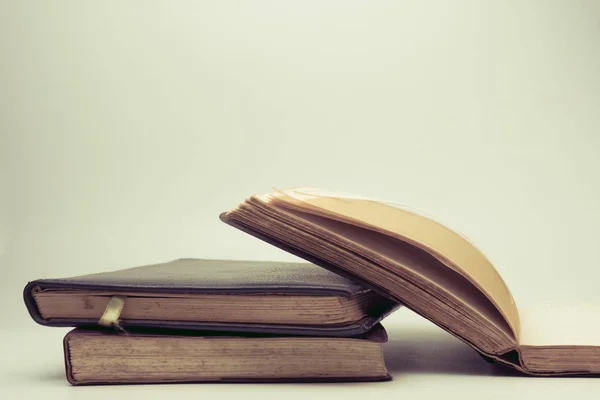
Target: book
427,267
95,356
218,295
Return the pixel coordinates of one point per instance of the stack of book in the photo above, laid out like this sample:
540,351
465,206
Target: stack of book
194,320
214,320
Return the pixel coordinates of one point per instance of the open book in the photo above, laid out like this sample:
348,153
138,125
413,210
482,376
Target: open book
428,267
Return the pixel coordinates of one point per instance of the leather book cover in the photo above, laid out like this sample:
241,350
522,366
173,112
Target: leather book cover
230,277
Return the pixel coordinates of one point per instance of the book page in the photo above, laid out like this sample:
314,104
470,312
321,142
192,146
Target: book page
449,247
560,325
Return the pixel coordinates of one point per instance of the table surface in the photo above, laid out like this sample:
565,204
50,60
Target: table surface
423,360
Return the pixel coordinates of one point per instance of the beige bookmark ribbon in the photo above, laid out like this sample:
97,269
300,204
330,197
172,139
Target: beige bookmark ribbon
110,318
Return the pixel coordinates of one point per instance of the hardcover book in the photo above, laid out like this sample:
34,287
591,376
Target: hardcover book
95,356
429,268
217,295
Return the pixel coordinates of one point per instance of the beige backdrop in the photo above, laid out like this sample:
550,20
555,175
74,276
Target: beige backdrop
127,127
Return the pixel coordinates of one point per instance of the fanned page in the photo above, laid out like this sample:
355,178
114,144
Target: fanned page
446,245
409,273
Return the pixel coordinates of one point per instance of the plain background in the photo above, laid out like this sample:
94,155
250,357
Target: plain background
127,127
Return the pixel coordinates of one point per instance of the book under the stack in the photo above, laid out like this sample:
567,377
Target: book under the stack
155,356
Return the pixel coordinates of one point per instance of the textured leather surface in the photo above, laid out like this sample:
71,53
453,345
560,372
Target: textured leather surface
219,276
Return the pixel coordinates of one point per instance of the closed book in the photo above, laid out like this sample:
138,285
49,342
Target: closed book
94,356
217,295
